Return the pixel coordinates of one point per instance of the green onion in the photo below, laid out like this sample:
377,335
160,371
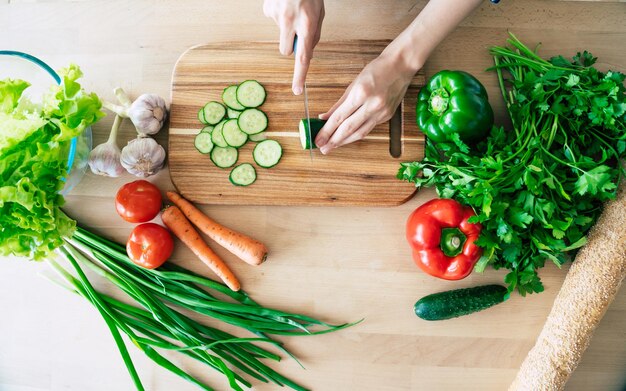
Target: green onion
154,322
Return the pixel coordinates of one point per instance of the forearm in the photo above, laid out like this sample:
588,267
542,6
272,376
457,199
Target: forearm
436,21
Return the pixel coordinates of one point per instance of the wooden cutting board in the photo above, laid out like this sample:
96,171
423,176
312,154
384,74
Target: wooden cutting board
362,173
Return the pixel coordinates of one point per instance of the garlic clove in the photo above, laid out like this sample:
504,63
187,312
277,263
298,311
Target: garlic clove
105,160
143,157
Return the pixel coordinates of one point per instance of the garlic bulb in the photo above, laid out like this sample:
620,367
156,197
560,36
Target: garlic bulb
105,158
143,157
148,112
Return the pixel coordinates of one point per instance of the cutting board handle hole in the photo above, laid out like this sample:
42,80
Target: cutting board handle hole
395,133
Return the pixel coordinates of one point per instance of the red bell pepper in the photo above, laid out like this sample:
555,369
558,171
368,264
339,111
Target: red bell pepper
443,240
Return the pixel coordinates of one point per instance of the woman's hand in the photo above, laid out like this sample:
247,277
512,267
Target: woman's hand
372,98
304,19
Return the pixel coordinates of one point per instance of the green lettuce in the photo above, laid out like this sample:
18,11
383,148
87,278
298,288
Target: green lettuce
34,146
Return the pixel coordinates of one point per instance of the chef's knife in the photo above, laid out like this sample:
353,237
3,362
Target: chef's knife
306,107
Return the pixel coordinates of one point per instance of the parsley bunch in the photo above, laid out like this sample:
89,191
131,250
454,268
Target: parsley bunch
538,188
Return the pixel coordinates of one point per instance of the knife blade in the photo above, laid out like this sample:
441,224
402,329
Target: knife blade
306,107
308,120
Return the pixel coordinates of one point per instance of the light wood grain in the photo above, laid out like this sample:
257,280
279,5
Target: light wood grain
362,173
336,263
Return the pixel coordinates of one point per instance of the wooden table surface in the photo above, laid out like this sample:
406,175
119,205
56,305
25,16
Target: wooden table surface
340,264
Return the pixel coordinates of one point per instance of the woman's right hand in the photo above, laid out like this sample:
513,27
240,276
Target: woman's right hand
304,19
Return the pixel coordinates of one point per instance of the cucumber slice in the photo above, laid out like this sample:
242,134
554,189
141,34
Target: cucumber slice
224,157
217,136
213,112
233,136
267,153
257,137
251,93
229,96
203,142
201,116
316,125
207,129
459,302
243,175
252,121
230,113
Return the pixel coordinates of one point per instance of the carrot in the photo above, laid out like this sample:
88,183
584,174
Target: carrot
249,250
176,221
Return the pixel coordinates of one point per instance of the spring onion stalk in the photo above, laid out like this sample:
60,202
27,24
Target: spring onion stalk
154,321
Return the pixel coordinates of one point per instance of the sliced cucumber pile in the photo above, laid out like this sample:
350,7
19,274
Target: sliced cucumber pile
228,125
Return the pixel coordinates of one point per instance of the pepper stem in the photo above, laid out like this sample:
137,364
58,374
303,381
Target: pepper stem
438,102
452,241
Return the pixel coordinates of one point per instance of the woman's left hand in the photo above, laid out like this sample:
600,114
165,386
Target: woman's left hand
370,99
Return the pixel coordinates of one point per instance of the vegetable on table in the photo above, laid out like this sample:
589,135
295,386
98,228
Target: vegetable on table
443,240
590,286
176,221
148,112
35,141
155,315
138,201
143,157
104,159
539,187
453,105
247,249
459,302
149,245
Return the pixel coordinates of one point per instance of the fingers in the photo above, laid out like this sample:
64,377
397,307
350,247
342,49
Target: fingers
360,133
287,35
304,52
346,129
341,114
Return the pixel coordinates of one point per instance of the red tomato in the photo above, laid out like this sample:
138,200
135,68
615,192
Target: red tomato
149,245
138,201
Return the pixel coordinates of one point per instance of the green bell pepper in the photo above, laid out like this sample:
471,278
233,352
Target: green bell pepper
454,102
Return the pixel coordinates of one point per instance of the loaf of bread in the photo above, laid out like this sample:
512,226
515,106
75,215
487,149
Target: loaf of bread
589,287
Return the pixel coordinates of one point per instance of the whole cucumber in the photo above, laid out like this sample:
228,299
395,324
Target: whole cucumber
459,302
